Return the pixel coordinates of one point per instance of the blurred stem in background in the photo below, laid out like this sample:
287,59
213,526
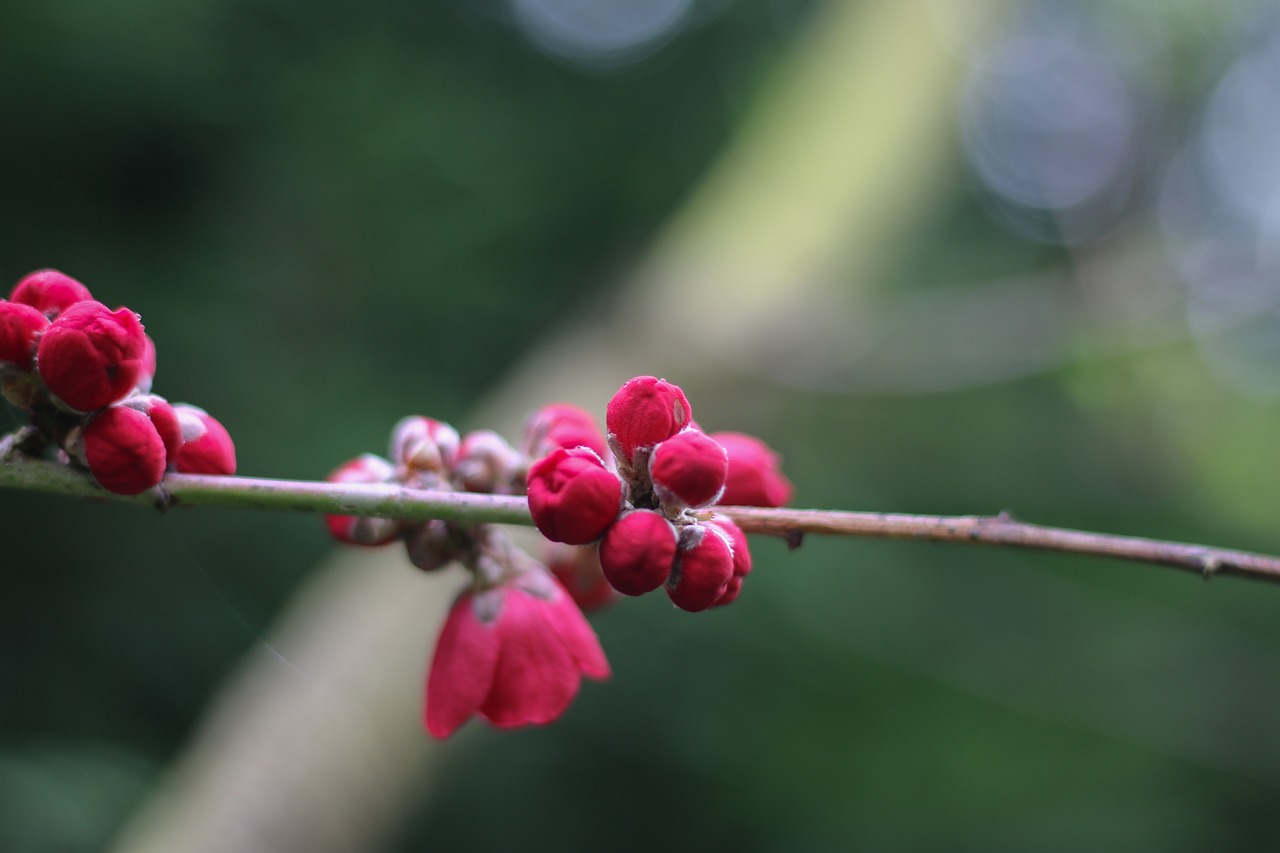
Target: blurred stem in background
315,744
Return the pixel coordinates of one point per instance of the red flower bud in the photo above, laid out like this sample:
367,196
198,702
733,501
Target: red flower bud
20,328
578,570
637,553
92,356
738,542
164,417
754,476
573,498
486,463
354,529
206,448
645,411
124,450
424,445
50,292
703,569
688,470
561,425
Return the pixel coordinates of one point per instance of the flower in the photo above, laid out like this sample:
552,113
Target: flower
573,498
703,568
688,470
92,356
645,411
20,328
561,425
424,445
125,449
355,529
637,553
755,478
206,448
515,654
50,292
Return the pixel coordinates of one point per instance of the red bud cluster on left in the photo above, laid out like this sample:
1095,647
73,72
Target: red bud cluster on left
83,373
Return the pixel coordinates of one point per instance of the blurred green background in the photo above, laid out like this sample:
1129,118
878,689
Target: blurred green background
332,214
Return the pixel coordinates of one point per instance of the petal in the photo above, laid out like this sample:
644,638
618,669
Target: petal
536,677
462,669
577,635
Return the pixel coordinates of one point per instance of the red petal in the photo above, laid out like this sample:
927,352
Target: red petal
462,670
536,677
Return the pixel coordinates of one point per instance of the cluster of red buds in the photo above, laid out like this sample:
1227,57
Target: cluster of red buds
515,645
83,374
650,515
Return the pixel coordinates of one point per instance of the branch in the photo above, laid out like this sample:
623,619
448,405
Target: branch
17,470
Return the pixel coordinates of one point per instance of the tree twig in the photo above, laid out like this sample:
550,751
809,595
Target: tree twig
20,471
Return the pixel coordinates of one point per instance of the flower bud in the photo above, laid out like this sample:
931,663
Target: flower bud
20,328
124,450
352,529
92,356
429,545
755,478
165,419
637,553
206,447
573,498
737,541
424,444
486,463
561,425
578,570
50,292
703,568
645,411
688,470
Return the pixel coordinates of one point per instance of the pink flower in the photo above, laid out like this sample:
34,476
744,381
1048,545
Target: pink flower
688,470
92,356
20,327
645,411
755,478
207,447
124,449
50,292
573,498
514,654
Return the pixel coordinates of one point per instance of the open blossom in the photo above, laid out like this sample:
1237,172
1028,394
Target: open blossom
514,654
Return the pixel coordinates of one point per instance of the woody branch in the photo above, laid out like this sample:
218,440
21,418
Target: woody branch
20,471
